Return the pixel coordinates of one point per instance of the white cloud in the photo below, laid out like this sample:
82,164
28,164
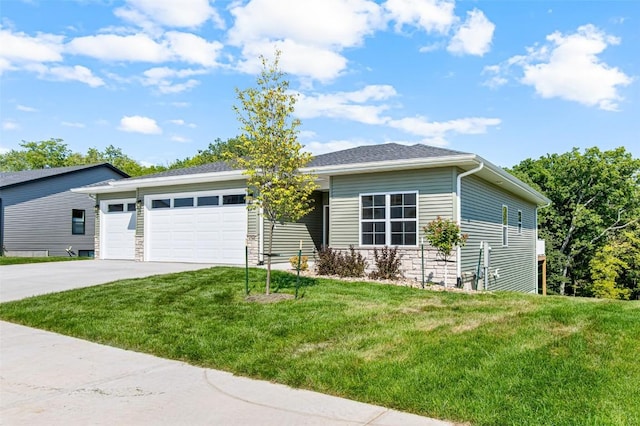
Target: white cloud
73,124
18,49
139,124
10,125
180,104
4,150
112,47
296,59
25,108
310,34
436,131
183,13
180,139
163,79
193,49
347,105
429,15
474,36
568,67
74,73
181,122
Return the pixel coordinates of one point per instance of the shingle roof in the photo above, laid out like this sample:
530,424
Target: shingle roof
220,166
361,154
383,152
16,178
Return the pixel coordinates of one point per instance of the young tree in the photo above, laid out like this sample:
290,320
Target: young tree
595,195
273,156
444,235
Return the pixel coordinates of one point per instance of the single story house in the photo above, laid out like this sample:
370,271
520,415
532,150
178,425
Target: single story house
40,216
370,196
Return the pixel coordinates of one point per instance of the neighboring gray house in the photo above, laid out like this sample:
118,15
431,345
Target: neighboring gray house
369,197
40,216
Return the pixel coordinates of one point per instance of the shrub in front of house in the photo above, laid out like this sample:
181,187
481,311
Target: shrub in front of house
387,262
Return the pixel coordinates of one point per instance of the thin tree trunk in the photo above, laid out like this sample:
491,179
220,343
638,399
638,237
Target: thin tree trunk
268,285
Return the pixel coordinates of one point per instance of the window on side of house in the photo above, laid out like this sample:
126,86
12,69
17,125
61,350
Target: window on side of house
505,226
519,222
388,219
77,222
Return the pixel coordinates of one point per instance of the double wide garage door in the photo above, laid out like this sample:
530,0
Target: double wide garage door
207,227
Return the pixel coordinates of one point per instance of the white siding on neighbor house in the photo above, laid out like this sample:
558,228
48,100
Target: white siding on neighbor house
436,189
481,205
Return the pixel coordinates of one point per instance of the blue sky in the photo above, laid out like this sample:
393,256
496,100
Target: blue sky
508,80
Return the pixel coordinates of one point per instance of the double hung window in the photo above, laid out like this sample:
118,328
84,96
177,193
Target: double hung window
389,219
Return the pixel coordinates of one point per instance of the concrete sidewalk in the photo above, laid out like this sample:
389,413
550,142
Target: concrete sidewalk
50,379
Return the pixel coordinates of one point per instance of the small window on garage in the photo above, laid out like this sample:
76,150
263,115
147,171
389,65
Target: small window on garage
505,225
114,208
519,222
86,253
77,222
131,207
183,202
233,199
163,203
212,200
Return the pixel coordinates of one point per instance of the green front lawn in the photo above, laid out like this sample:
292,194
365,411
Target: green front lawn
490,359
6,260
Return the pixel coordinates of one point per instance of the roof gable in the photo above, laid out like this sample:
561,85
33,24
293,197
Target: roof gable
8,179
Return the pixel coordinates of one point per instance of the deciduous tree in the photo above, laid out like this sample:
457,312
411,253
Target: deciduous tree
273,156
595,195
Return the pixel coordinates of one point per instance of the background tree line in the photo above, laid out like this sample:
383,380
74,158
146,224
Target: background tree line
591,227
55,153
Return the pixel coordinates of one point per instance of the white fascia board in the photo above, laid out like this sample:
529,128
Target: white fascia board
179,180
95,189
515,185
383,166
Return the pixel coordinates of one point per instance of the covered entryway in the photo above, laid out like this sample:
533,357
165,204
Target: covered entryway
117,229
208,227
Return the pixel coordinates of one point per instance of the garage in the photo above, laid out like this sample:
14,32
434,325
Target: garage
206,227
117,229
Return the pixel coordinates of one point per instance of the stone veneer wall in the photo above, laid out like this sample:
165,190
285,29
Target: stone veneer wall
411,265
96,238
254,249
139,254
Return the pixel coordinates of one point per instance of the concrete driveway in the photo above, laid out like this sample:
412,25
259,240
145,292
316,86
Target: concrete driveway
51,379
32,279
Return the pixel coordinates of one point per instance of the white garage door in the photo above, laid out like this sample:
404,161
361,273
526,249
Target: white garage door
207,227
117,229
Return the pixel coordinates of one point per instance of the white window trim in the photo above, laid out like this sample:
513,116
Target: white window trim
195,194
387,217
504,236
519,222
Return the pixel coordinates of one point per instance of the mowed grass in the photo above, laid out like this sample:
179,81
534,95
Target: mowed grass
9,260
486,359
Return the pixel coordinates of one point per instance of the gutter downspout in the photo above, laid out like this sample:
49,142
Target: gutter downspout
459,213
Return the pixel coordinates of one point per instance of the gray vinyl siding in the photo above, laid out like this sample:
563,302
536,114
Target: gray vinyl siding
481,205
209,186
436,192
286,237
37,215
